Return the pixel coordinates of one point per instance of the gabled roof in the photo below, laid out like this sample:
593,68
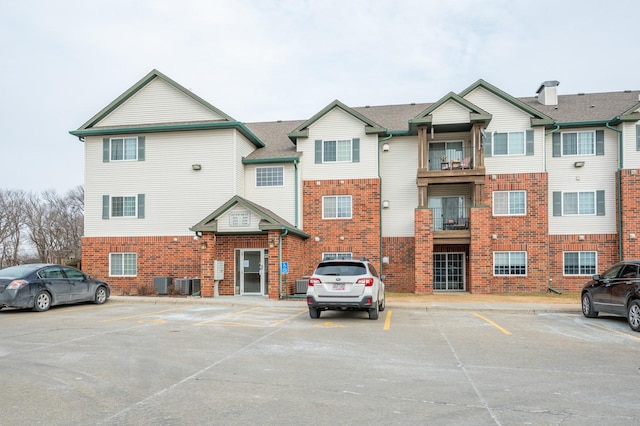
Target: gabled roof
268,219
537,118
89,129
476,114
302,131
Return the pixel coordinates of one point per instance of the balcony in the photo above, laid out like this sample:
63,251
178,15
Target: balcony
451,226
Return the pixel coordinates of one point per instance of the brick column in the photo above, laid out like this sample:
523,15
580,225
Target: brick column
424,251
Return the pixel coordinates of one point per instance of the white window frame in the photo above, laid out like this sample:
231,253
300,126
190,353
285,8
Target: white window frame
578,145
125,142
579,204
123,264
239,219
124,207
509,203
510,266
339,255
337,199
510,152
580,261
269,176
343,146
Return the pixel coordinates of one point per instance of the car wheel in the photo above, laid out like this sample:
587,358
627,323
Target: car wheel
633,315
587,306
101,295
373,313
314,313
382,303
42,302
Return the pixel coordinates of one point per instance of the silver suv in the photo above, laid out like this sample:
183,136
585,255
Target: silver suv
345,285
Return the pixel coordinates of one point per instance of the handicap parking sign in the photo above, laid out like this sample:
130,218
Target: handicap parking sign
284,267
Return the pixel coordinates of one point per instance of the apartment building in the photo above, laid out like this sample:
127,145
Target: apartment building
478,192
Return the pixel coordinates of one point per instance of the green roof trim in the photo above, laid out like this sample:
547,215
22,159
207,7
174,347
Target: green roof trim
137,87
476,114
270,160
159,128
268,219
538,119
302,131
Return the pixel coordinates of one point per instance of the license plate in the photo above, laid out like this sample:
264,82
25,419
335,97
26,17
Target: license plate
338,286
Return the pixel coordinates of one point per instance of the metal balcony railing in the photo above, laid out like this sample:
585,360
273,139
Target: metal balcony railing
451,220
450,159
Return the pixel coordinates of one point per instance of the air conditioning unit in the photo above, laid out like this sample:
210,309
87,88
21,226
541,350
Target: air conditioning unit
162,284
301,286
182,285
195,285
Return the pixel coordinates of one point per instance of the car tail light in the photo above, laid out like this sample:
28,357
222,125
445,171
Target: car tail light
17,284
313,281
368,282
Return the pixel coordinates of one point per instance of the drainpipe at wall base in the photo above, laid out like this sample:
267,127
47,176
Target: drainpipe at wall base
619,185
380,205
282,234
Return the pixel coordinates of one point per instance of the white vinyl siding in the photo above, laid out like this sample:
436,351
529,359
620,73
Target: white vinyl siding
506,117
158,102
333,126
398,171
173,191
279,199
238,219
596,174
451,112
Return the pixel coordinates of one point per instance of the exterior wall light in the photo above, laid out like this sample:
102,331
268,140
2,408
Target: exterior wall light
385,147
196,166
578,164
385,204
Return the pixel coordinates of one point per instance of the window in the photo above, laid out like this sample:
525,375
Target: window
580,262
336,256
123,264
124,149
336,151
336,207
510,263
270,176
123,206
579,143
239,219
578,203
511,143
509,203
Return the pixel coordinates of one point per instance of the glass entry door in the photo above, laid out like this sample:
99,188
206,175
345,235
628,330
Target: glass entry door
448,271
251,276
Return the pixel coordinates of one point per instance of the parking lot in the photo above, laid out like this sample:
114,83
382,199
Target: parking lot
242,362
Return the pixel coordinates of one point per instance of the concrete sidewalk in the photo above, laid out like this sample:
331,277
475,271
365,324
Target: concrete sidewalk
516,303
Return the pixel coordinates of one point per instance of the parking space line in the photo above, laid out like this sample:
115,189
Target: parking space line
233,314
141,315
505,331
622,333
387,321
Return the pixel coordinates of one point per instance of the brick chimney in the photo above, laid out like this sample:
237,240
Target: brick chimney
548,93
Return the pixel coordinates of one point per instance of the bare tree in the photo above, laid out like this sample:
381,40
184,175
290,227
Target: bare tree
12,220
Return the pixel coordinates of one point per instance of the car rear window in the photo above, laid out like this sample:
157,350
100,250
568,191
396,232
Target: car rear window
342,268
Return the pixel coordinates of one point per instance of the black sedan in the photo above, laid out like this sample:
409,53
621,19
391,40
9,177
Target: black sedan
40,286
615,291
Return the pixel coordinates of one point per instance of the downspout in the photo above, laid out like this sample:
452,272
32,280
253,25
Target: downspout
380,201
549,279
619,185
295,167
282,234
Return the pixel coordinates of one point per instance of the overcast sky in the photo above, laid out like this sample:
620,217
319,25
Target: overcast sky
62,61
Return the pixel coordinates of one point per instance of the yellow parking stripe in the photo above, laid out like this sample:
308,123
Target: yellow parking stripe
387,321
615,331
493,324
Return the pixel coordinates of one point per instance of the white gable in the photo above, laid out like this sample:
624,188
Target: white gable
238,219
158,102
506,116
450,112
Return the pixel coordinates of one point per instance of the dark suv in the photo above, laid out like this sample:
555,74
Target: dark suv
345,285
615,291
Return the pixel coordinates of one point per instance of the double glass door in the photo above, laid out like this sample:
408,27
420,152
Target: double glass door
448,271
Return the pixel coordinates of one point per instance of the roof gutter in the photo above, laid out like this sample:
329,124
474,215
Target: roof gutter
619,182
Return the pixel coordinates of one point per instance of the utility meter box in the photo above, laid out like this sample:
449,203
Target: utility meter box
218,270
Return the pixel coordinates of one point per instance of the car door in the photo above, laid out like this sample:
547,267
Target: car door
56,283
78,284
620,288
601,289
